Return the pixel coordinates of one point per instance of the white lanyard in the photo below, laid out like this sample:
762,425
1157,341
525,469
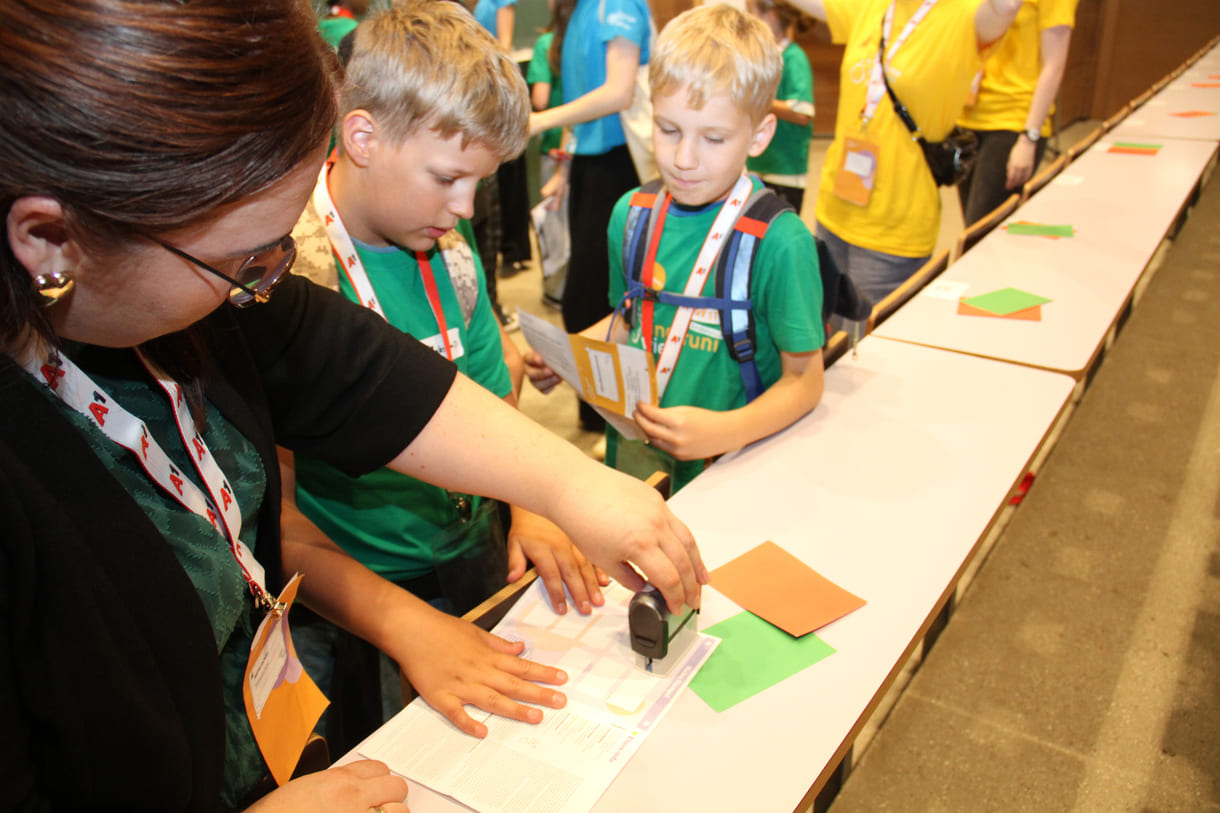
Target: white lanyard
349,260
342,244
721,227
876,82
76,389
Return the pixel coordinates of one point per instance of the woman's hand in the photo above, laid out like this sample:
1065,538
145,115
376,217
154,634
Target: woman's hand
1020,163
558,562
622,525
452,663
354,788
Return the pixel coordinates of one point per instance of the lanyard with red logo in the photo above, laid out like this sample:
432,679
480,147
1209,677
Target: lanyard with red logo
349,260
218,506
721,227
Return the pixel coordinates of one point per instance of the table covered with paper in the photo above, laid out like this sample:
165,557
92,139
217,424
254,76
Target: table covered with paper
566,762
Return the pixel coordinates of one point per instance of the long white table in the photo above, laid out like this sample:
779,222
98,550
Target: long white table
886,488
1121,207
1160,116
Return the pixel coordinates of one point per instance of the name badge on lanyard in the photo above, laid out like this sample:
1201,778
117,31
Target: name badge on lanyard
282,702
856,175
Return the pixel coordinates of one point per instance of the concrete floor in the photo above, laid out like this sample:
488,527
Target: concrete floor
1080,671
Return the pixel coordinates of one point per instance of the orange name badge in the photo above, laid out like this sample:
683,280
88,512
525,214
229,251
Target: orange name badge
857,171
283,704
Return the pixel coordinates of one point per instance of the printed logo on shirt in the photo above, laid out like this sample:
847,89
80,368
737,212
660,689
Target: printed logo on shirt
455,343
621,19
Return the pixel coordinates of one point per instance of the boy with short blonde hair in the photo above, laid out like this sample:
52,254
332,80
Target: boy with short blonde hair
738,344
431,104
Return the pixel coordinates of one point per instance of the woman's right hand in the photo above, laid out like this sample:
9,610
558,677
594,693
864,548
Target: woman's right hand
358,787
540,375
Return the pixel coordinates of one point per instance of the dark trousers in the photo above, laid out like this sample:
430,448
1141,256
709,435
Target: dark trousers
513,180
984,188
595,185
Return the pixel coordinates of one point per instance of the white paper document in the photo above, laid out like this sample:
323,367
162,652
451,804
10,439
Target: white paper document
612,377
566,762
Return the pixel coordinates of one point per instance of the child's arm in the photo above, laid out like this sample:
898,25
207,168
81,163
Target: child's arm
558,561
450,662
786,110
545,379
691,433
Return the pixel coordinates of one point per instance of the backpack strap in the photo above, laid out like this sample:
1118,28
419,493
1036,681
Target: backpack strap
733,264
733,283
459,262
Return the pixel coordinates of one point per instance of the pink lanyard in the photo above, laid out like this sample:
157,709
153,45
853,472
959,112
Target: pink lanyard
876,83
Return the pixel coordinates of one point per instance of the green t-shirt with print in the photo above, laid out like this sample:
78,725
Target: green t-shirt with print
396,525
786,291
788,152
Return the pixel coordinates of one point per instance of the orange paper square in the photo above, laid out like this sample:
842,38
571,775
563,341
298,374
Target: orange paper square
781,589
1033,314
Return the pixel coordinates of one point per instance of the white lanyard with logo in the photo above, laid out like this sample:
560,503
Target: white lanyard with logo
349,260
721,227
218,506
876,82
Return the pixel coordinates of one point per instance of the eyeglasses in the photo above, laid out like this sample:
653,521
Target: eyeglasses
257,277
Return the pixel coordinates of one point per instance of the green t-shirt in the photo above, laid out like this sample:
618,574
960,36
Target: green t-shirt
788,153
540,71
203,553
786,291
396,525
334,29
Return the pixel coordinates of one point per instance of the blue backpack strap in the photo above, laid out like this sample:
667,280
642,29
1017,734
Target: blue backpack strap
733,283
641,218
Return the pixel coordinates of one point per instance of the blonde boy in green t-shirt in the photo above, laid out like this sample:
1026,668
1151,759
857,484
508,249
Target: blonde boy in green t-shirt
714,73
430,105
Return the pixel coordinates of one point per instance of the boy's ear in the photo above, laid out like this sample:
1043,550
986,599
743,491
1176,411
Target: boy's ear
763,134
358,132
38,236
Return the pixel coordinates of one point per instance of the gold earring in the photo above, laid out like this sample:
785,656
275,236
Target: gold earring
53,287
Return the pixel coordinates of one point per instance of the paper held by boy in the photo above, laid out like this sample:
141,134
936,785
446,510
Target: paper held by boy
611,377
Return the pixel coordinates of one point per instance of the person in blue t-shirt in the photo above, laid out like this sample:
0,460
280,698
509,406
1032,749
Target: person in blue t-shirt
595,91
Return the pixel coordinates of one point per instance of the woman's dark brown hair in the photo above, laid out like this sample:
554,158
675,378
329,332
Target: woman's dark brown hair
147,115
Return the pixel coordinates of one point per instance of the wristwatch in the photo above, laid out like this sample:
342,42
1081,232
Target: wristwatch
1034,135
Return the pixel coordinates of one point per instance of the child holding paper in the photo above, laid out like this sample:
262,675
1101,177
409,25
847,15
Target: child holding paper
714,75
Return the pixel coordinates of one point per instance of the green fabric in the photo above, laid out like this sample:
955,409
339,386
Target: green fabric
788,152
334,29
540,71
202,552
786,291
396,525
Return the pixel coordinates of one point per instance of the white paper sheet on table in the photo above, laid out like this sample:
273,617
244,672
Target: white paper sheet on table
612,377
566,762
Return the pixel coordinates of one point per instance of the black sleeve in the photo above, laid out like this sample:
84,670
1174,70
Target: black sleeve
341,384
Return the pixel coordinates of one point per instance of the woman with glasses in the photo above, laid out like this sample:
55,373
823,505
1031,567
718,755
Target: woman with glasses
153,351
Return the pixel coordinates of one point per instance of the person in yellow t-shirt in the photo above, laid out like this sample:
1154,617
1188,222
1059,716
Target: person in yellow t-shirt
878,209
1011,115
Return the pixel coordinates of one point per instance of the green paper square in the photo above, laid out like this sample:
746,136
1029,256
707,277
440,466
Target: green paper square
1133,145
1006,301
753,655
1041,229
